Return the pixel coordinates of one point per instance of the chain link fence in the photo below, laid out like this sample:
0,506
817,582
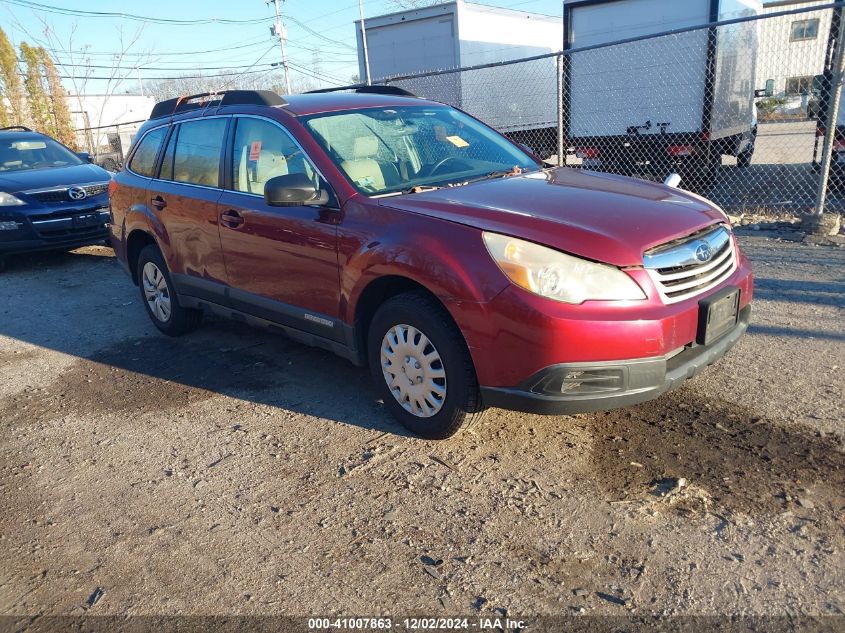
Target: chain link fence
738,108
108,145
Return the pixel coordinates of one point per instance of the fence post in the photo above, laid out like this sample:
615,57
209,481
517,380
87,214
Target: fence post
834,103
561,158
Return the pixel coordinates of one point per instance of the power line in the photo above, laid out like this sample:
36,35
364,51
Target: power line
143,67
212,76
307,28
127,16
242,45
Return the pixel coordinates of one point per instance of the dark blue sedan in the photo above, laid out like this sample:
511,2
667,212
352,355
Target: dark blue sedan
50,197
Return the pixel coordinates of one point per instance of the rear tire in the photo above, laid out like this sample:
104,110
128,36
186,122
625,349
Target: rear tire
422,367
159,299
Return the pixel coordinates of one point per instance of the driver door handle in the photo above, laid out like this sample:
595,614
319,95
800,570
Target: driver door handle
159,203
231,219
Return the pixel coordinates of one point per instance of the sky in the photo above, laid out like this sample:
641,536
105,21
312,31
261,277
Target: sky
317,30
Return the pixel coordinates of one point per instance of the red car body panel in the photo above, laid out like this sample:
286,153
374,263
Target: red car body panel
597,216
324,260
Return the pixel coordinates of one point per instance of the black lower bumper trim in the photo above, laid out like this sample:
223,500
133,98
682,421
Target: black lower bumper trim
647,378
20,247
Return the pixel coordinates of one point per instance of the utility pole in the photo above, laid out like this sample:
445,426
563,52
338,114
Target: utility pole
364,43
279,30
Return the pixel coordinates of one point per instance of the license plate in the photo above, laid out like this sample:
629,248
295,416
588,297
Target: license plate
717,315
84,221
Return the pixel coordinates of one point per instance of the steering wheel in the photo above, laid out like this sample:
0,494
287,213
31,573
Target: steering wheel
440,163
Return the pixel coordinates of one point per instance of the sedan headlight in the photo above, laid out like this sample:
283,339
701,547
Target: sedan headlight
8,200
555,275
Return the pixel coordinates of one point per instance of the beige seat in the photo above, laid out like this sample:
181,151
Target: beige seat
364,170
252,176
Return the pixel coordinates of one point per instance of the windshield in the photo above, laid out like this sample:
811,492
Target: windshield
386,150
34,152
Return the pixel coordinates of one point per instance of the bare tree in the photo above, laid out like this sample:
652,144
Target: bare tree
197,83
80,71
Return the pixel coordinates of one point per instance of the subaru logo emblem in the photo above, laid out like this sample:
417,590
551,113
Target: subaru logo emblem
702,253
77,193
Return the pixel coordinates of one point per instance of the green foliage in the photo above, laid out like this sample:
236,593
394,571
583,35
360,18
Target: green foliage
60,111
766,107
36,94
10,85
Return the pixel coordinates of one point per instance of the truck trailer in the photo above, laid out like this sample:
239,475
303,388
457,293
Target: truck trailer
514,99
655,105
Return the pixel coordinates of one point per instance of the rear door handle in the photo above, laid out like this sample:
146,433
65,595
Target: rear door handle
159,203
231,219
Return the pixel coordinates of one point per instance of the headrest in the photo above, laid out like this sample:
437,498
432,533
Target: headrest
365,147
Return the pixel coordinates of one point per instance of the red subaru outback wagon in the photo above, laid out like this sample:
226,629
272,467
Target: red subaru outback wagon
405,235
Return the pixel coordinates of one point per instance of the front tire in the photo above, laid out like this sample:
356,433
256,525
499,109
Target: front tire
159,299
422,367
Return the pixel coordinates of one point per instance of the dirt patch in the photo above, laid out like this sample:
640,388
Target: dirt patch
727,459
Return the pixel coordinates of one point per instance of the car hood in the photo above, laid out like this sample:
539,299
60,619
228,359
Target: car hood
598,216
15,181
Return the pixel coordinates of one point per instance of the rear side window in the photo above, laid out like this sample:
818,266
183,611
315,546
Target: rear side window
195,154
144,160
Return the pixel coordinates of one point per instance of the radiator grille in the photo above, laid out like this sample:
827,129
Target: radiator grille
693,265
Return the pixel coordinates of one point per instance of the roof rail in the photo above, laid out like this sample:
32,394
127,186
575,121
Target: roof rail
396,91
15,127
225,97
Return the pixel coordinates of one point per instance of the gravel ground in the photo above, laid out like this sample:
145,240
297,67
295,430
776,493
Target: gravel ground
240,473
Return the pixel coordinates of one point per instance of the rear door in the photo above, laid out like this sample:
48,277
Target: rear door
184,197
281,261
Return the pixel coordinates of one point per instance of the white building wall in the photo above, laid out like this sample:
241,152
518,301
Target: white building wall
780,59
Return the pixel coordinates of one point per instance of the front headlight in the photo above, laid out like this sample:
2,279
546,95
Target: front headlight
8,200
555,275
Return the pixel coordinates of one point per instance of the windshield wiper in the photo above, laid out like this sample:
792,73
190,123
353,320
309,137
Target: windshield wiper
503,173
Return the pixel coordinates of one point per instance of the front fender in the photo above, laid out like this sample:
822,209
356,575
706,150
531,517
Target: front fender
447,259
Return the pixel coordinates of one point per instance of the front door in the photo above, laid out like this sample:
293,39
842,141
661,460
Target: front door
281,262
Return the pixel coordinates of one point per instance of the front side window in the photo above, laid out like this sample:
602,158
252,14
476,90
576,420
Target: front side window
805,30
262,150
387,150
144,159
193,152
34,152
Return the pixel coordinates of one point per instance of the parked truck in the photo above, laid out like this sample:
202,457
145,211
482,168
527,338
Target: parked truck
519,99
644,108
675,103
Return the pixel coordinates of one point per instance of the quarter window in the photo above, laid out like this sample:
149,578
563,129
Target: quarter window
194,156
262,150
144,159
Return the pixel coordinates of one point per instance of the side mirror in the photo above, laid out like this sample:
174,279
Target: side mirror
293,190
85,156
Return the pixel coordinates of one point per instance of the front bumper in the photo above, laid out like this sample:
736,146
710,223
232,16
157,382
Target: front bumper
634,381
57,230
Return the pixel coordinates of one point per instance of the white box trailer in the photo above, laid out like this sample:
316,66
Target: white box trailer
460,34
670,103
